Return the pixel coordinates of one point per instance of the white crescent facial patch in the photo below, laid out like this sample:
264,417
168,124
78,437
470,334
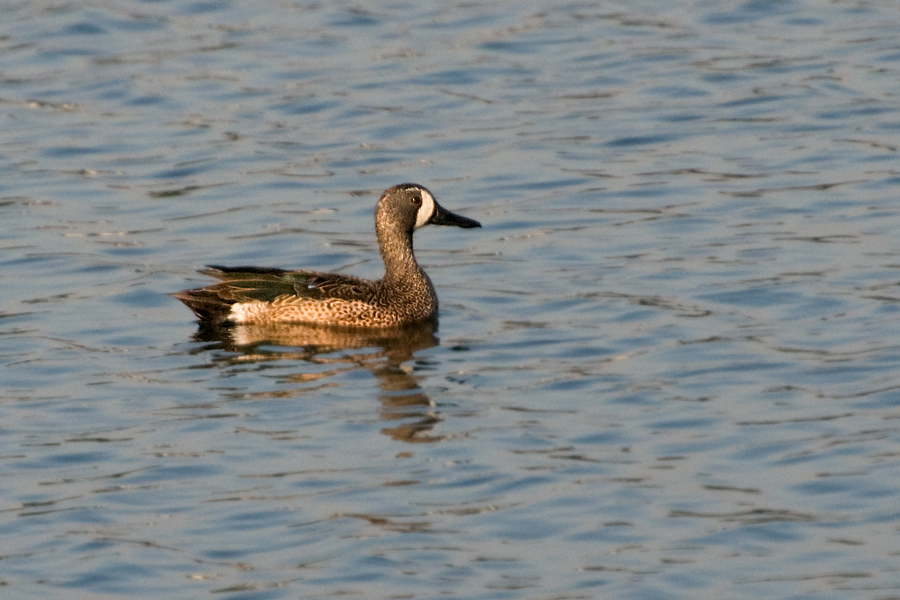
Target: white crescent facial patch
426,210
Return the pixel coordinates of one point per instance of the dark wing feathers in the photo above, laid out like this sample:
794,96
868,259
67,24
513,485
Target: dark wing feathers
245,284
258,283
332,285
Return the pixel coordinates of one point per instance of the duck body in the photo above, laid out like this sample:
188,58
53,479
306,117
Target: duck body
404,295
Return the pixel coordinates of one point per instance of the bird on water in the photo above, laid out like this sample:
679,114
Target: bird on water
405,294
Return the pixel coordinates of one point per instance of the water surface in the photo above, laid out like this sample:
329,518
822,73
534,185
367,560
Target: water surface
666,367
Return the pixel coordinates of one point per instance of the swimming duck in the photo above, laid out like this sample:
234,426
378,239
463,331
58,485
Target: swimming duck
404,295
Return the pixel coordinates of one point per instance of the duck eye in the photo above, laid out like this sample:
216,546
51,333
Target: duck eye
417,200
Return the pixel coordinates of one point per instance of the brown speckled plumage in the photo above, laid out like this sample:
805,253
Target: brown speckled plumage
404,295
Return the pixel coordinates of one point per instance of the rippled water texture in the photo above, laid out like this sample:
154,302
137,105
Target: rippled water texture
667,367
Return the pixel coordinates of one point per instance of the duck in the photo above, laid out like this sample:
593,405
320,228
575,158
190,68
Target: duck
404,296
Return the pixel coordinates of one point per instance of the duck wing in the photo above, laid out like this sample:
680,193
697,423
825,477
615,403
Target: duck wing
266,284
247,284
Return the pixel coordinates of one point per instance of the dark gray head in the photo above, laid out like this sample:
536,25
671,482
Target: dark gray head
412,206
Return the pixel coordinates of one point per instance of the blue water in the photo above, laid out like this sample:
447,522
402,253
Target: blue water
667,366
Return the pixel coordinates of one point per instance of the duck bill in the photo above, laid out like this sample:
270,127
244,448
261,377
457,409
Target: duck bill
442,216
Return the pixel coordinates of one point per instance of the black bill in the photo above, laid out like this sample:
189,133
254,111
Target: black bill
442,216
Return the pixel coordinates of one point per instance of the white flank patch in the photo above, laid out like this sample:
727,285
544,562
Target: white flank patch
426,210
242,312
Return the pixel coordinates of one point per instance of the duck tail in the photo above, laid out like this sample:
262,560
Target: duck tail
206,304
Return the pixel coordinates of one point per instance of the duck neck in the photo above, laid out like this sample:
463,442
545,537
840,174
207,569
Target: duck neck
400,266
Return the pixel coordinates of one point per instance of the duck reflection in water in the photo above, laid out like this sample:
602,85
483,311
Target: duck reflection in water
382,351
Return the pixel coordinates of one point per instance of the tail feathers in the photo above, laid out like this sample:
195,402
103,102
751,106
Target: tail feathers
206,304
